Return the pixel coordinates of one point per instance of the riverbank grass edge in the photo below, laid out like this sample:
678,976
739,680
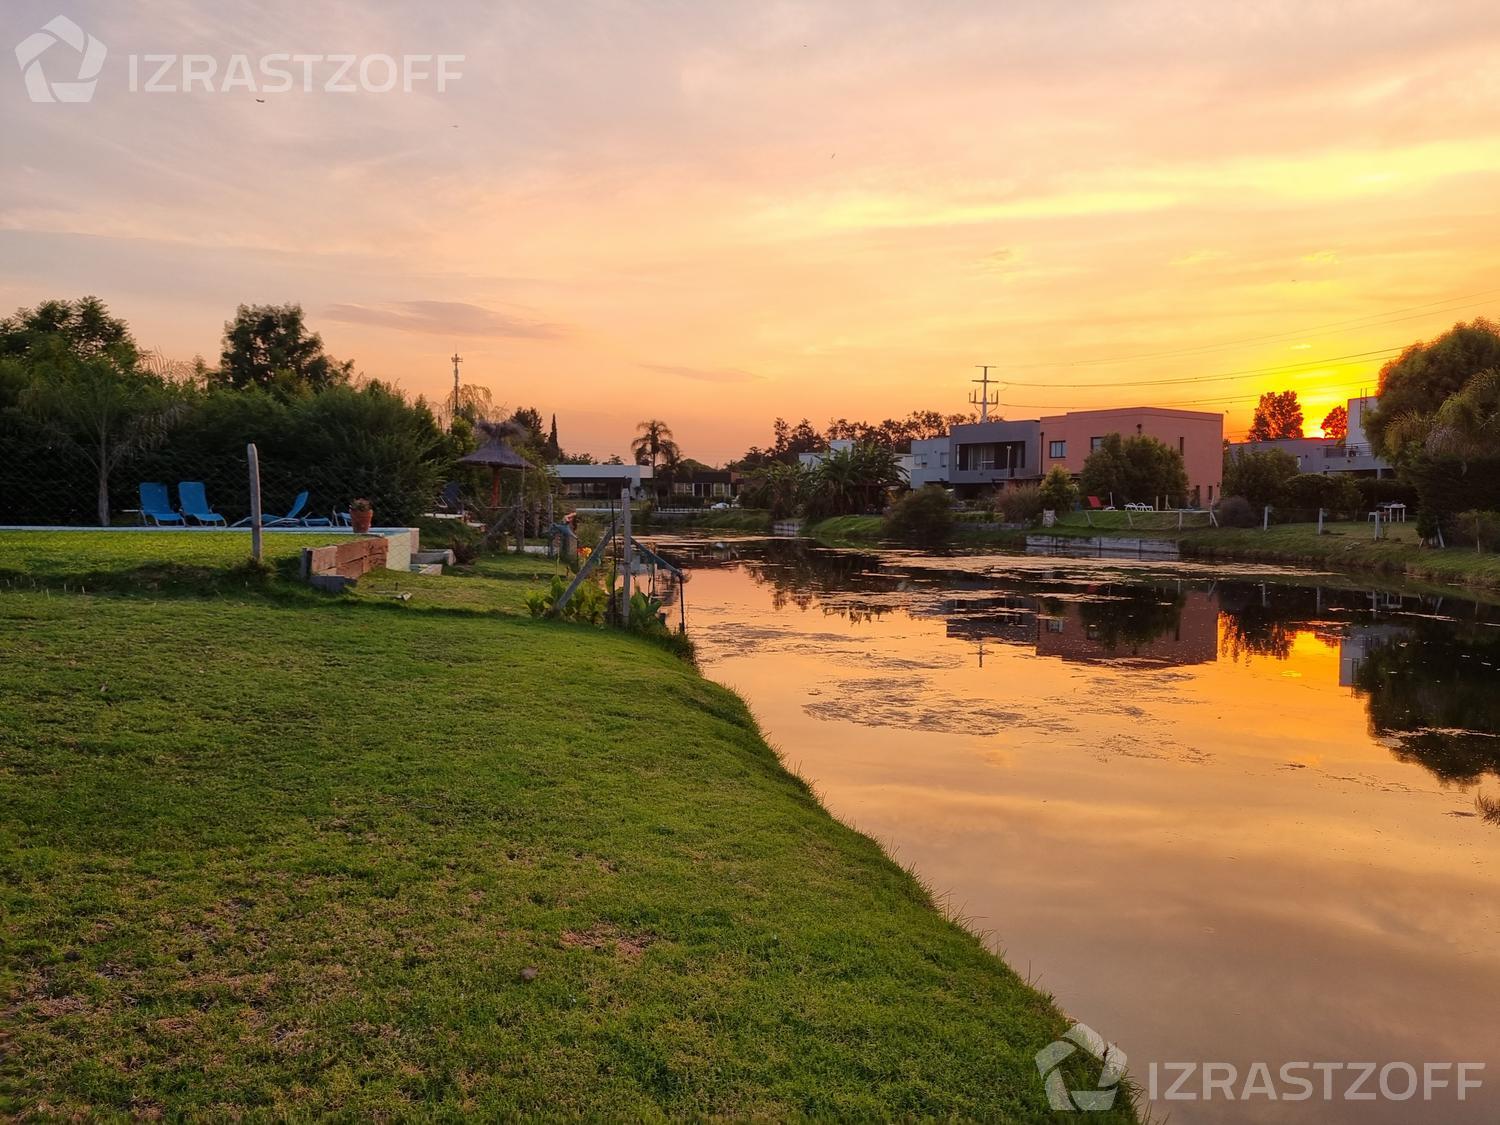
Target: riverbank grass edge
276,853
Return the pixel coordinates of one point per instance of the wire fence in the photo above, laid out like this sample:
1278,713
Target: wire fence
62,488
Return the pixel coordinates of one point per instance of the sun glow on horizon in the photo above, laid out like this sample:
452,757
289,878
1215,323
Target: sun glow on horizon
805,211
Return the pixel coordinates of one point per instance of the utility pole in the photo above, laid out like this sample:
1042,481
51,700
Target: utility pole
983,398
457,359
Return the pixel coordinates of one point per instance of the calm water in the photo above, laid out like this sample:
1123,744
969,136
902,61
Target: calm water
1221,816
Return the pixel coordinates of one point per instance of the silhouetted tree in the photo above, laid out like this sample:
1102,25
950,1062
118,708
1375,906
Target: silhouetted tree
1278,415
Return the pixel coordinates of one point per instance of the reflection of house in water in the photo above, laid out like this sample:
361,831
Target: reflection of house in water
1190,636
1356,644
1163,628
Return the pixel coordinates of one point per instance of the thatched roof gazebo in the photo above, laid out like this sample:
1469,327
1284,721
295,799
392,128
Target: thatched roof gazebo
497,454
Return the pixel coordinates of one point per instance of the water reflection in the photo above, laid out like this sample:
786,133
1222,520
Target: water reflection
1222,816
1427,665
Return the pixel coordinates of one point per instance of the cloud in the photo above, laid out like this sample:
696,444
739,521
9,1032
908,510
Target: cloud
444,318
1199,257
703,374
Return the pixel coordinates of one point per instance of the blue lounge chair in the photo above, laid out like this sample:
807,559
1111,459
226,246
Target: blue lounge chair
293,517
194,503
155,507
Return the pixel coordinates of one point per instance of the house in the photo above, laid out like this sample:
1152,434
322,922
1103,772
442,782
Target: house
929,462
708,485
1000,454
1353,455
1068,439
601,482
984,455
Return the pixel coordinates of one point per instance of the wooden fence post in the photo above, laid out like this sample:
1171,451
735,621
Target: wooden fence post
626,556
254,457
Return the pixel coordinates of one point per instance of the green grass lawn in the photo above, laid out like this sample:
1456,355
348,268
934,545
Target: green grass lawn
279,854
110,556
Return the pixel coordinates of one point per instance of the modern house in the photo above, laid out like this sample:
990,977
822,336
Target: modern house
601,482
929,462
1068,439
983,455
708,485
1353,455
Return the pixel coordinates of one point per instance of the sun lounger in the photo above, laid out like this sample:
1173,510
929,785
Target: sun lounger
194,502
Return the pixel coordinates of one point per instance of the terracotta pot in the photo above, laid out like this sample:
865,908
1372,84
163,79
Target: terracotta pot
361,521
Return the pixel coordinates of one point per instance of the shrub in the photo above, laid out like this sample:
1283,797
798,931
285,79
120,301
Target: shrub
1022,504
924,515
1385,490
1335,493
1260,477
1470,529
1058,491
1235,511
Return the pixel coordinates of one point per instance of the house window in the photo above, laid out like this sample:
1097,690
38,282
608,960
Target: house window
1057,449
1182,445
943,459
1095,443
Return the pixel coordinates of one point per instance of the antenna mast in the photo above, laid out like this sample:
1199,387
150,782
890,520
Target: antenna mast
984,398
457,359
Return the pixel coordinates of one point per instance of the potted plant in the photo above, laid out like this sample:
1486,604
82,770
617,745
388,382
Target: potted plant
361,514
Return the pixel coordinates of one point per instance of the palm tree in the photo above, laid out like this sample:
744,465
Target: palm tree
652,445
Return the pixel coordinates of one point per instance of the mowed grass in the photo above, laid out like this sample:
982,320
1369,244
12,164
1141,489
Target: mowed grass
271,856
143,560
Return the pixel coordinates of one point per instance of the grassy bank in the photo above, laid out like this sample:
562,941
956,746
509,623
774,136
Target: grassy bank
734,519
273,853
1343,546
839,530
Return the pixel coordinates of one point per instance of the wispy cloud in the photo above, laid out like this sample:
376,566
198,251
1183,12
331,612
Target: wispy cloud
444,318
704,374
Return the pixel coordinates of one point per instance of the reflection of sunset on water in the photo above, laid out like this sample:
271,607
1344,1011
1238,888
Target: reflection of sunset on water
1221,819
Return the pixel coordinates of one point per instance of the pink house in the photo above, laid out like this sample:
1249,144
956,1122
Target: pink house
1067,439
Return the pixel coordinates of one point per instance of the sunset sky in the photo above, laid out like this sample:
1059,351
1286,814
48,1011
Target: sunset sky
715,213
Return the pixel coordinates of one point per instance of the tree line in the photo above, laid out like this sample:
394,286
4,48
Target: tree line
86,413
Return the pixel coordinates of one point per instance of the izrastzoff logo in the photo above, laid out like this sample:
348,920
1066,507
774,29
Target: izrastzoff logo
73,60
83,60
1049,1062
1222,1081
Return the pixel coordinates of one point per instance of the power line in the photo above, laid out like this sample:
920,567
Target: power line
1371,320
1332,361
1253,397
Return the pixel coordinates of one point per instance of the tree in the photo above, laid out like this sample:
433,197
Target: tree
529,418
1278,415
1058,491
1139,469
1260,477
101,404
1416,383
776,487
653,442
852,480
554,448
1336,423
924,515
84,327
269,346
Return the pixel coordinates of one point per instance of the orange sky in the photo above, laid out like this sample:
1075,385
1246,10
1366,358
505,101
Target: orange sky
718,213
